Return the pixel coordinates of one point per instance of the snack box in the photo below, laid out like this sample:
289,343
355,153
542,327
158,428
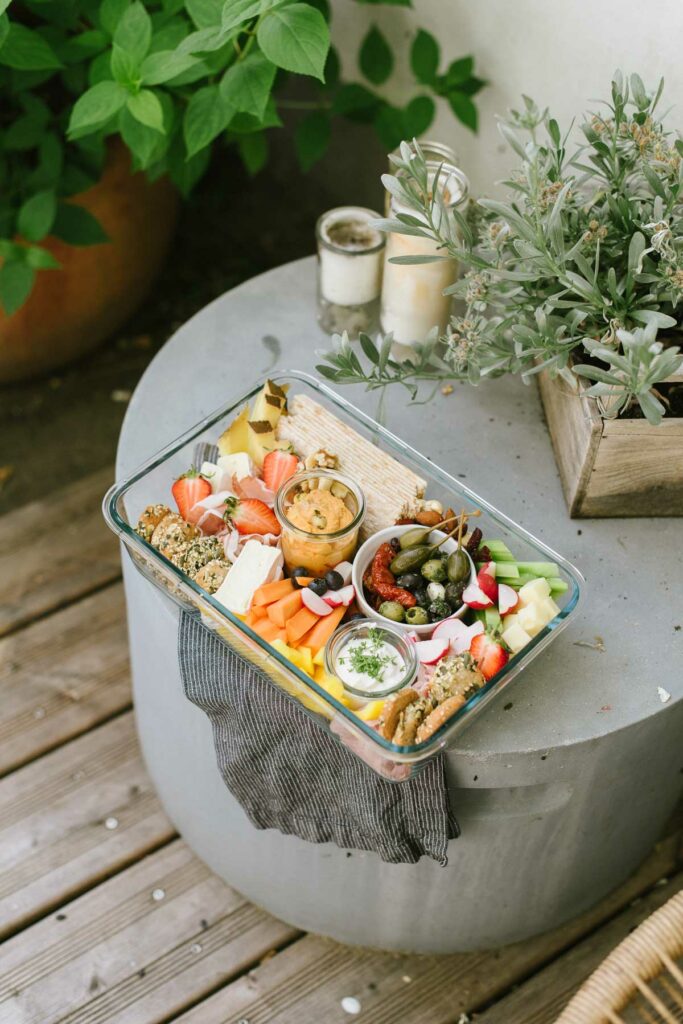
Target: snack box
391,473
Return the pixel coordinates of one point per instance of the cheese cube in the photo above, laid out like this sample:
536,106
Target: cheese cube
217,477
255,565
534,590
510,620
531,618
516,638
239,464
548,609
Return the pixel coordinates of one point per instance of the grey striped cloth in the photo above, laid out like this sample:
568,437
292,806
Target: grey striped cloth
291,774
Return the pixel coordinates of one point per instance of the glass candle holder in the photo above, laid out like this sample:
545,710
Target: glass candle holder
350,252
398,654
434,152
320,513
413,299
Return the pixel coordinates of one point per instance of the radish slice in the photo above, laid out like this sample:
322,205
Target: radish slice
508,599
344,595
344,569
457,634
314,603
431,651
486,579
475,597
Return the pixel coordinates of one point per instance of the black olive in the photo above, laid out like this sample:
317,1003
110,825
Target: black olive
334,580
395,544
421,596
318,586
410,580
299,571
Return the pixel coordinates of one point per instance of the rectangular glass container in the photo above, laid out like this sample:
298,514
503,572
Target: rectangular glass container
150,484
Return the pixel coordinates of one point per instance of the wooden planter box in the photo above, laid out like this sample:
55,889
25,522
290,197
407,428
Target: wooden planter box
623,467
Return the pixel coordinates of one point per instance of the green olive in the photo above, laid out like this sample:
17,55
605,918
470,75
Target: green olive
411,538
411,560
458,566
434,569
392,610
417,616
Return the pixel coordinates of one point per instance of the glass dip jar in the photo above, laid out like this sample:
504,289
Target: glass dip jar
320,513
371,661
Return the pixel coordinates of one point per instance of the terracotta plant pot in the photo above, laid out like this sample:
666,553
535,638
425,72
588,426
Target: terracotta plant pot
72,309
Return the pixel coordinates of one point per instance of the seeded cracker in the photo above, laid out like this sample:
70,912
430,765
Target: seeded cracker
386,483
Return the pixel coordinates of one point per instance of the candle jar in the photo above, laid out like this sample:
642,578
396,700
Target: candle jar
350,252
413,299
434,153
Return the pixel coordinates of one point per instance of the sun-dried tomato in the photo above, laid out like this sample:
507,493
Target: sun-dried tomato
383,581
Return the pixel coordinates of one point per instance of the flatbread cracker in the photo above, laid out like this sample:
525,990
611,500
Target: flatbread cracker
387,484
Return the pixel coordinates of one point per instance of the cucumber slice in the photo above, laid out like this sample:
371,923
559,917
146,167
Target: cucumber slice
500,551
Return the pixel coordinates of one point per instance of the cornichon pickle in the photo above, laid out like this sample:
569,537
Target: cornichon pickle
458,566
411,538
411,560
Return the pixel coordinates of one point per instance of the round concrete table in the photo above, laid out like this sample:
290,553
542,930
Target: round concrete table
560,792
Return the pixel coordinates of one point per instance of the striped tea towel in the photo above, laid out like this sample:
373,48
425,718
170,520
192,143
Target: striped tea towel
289,773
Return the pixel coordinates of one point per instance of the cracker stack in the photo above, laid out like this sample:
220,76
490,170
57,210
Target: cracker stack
386,483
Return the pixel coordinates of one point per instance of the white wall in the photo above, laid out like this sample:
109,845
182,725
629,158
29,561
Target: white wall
560,52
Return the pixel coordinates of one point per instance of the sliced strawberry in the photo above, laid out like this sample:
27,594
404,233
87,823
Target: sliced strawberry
488,654
187,491
486,579
277,468
251,516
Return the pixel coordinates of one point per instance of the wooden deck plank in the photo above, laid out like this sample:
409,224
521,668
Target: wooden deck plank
73,818
543,997
307,981
62,675
55,550
118,954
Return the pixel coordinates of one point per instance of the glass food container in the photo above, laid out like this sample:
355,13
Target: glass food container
319,500
365,631
149,484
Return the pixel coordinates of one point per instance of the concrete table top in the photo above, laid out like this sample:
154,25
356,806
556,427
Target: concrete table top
494,438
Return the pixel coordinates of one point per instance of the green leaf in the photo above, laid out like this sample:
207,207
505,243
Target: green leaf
464,109
134,32
635,250
16,282
253,149
40,259
296,38
163,65
389,125
111,12
124,68
356,102
24,133
4,29
206,116
418,116
4,4
375,59
77,226
37,215
95,107
205,13
146,108
247,84
143,142
459,71
312,138
184,172
237,12
424,57
368,347
27,50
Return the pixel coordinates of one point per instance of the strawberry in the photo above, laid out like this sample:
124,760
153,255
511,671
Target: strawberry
250,515
489,655
486,580
277,468
187,491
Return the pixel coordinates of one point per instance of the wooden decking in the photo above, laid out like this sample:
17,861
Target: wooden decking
106,915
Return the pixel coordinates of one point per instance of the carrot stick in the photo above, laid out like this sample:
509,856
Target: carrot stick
323,630
284,609
270,592
300,624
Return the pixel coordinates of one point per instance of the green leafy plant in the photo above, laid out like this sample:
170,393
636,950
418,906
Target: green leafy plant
574,274
172,78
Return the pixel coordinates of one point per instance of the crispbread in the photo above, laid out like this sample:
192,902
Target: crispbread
386,483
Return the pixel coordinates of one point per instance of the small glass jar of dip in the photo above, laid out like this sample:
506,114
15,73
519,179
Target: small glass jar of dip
320,513
371,661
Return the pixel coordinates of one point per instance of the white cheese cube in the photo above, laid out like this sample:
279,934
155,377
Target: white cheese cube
217,477
510,620
515,637
534,590
255,565
548,609
531,618
239,464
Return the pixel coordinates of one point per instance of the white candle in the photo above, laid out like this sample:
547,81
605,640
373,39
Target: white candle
350,252
412,295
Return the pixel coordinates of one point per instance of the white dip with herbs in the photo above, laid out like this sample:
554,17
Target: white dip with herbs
370,664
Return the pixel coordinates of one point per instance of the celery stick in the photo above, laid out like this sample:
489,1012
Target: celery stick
548,569
499,550
492,618
557,586
504,570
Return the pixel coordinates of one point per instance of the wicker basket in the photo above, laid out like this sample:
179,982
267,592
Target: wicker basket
641,982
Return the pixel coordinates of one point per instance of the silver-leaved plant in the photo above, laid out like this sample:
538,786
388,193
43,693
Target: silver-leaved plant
574,274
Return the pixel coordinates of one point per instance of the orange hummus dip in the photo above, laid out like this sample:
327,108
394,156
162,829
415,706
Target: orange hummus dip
320,514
